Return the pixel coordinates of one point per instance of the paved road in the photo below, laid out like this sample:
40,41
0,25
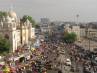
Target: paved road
57,55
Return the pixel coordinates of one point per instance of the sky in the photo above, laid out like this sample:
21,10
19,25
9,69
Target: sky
61,10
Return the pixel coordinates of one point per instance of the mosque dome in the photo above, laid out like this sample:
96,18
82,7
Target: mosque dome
12,14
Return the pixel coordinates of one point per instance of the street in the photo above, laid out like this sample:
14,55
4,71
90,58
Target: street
52,56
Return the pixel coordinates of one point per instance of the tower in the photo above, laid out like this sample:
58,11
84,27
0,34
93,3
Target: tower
77,19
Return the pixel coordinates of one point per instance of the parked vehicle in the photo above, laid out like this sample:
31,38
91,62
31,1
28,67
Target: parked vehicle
68,62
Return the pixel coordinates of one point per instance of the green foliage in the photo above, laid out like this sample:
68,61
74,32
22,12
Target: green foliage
70,37
2,14
37,26
25,17
4,45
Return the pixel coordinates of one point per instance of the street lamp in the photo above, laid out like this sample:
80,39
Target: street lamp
89,41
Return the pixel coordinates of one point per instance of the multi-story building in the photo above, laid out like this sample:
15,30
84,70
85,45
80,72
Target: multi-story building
44,25
17,32
91,33
45,21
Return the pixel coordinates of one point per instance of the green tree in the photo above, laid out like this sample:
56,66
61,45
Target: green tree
70,37
37,26
4,45
2,14
25,17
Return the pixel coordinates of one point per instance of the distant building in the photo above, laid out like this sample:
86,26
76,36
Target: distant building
44,25
92,33
75,29
82,32
45,21
17,32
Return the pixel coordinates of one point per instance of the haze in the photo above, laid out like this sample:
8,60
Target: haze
62,10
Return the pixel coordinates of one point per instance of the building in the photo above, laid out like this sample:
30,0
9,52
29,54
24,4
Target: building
45,21
74,28
82,32
91,33
44,24
16,31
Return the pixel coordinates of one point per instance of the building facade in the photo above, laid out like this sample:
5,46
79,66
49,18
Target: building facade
17,32
76,29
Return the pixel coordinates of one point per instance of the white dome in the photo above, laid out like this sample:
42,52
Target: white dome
12,14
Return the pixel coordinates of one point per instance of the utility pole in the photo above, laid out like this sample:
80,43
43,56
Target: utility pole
77,17
89,41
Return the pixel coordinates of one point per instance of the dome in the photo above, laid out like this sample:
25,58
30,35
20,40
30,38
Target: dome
12,14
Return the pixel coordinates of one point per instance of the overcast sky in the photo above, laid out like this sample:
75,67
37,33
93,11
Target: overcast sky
65,10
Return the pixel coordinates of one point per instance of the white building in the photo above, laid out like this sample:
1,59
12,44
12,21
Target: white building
17,32
82,32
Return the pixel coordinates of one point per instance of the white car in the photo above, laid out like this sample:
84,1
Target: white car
68,62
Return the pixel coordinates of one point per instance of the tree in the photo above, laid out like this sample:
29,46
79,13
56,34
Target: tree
25,17
37,26
2,14
70,37
4,45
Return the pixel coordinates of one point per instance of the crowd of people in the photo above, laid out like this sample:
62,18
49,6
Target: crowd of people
23,61
45,57
41,59
84,61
